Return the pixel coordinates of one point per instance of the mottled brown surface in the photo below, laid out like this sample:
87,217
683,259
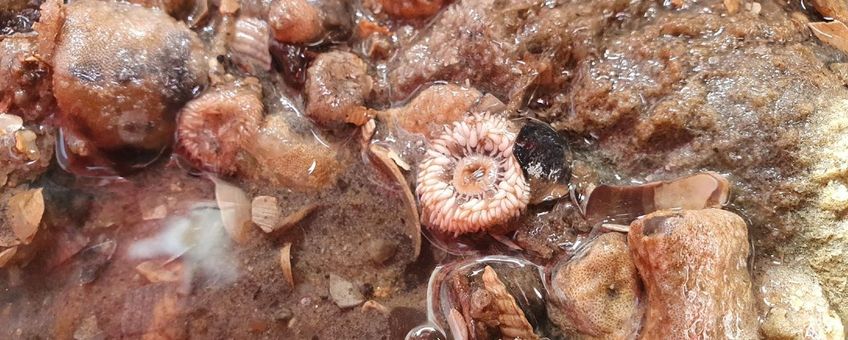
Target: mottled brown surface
503,47
598,290
434,107
693,265
121,89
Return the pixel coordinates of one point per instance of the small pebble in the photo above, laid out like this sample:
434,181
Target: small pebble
344,293
25,144
381,250
88,330
283,315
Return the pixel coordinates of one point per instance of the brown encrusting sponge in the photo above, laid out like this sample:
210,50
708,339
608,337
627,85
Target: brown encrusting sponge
693,264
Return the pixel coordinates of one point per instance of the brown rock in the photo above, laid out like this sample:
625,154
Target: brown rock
435,106
792,304
693,264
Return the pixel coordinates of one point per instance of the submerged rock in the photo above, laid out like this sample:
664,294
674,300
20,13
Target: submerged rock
121,72
545,158
792,304
693,264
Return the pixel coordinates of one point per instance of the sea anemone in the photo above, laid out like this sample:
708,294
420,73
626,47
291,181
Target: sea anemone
469,180
213,128
295,21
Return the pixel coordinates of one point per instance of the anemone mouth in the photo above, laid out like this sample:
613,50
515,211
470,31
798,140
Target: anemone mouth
213,127
469,180
476,176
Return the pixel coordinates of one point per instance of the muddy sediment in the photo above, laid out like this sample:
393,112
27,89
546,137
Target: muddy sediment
643,91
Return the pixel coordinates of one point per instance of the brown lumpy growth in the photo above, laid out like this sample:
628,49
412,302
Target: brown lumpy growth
693,264
122,71
214,127
337,86
698,89
295,21
412,9
598,291
793,305
283,157
435,106
504,47
463,43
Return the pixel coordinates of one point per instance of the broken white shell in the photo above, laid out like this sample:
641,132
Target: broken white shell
235,209
10,123
285,264
24,211
265,213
